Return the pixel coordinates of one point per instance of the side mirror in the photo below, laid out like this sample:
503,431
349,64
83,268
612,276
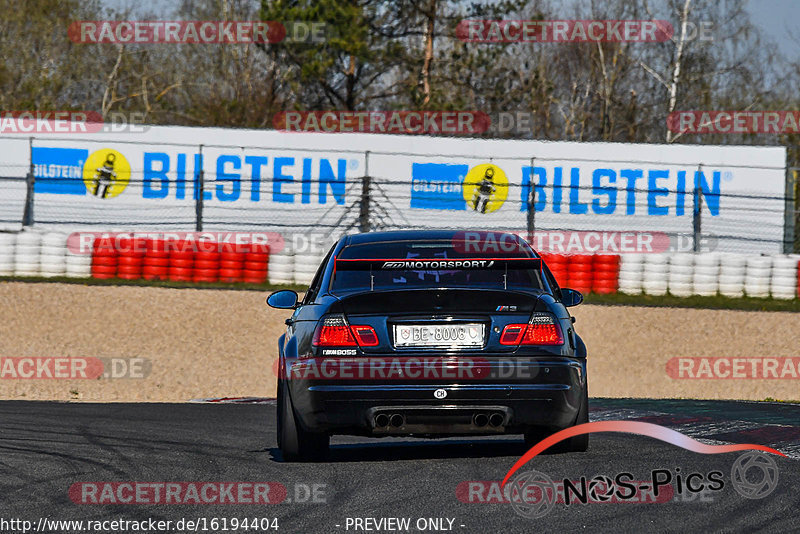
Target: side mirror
570,297
285,299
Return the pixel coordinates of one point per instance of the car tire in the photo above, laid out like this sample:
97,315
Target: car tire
574,444
296,444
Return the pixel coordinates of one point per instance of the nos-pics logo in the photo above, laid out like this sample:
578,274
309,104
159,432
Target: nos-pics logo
106,173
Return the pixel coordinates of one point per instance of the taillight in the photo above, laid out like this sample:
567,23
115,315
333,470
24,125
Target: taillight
334,331
542,330
365,335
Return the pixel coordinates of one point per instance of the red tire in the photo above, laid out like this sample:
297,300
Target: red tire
206,273
257,258
576,259
130,260
130,276
235,248
259,248
105,260
206,256
104,269
580,270
257,277
105,252
180,263
155,262
230,275
255,266
606,259
235,265
232,256
182,255
197,279
129,269
201,264
207,247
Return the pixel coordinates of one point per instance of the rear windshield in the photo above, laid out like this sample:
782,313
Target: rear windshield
346,281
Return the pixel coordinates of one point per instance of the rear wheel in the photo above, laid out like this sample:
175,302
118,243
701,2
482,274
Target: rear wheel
295,443
574,444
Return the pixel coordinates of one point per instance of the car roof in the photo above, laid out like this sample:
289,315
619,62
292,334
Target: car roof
413,235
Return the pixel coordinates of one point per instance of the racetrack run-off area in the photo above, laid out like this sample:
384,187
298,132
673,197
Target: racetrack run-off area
208,343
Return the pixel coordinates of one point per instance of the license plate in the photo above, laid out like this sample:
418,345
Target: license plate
449,335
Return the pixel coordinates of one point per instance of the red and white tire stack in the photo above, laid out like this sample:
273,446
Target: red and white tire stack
155,265
104,258
256,264
605,273
181,260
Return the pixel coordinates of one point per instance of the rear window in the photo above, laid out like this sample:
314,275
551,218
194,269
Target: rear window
348,281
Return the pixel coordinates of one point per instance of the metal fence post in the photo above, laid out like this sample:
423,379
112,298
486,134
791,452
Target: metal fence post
30,181
531,215
697,211
199,191
363,211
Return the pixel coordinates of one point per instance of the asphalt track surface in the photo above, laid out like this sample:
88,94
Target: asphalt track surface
47,447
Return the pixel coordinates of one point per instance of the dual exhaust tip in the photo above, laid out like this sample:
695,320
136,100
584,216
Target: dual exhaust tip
494,419
383,420
480,419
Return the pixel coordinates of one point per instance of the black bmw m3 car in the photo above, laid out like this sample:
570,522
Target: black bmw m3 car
430,334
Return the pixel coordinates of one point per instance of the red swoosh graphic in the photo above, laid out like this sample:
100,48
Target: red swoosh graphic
634,427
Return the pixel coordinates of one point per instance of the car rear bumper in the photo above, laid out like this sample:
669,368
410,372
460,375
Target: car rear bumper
550,396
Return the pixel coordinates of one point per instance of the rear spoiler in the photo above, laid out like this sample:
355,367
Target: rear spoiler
432,264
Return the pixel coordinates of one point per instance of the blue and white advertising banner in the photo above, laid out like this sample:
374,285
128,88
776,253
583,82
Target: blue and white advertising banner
312,182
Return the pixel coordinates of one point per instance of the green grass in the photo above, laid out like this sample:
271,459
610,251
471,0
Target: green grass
618,299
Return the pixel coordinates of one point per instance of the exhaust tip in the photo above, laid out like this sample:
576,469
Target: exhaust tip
496,419
480,419
397,420
381,420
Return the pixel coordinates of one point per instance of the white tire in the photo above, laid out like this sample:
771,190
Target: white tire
6,257
655,288
27,250
783,282
307,263
680,279
7,239
281,260
78,271
635,268
731,280
784,262
708,259
732,260
78,260
630,278
731,290
757,291
681,269
729,270
49,250
706,270
706,279
656,268
29,239
758,272
705,290
759,262
682,260
6,269
26,259
681,290
656,259
784,295
779,272
54,239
